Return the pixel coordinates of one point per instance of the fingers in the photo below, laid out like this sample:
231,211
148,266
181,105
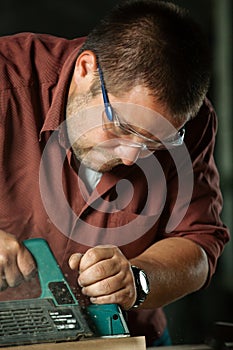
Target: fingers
122,297
16,262
26,264
74,261
117,289
3,282
99,271
105,276
12,276
95,255
105,286
17,269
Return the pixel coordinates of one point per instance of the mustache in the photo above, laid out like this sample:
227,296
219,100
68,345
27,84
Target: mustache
82,156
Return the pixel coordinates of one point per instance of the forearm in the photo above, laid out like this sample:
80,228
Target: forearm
175,267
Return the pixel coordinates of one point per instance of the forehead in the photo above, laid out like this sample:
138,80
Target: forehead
144,119
141,96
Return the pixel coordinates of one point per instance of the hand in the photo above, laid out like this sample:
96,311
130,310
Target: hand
105,276
16,262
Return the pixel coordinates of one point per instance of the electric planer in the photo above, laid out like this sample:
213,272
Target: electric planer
56,315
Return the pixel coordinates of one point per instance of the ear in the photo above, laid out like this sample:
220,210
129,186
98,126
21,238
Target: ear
85,66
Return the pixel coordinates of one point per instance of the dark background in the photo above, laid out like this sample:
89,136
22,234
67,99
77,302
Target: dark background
191,317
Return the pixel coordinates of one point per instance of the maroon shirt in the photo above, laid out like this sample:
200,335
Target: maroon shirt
43,196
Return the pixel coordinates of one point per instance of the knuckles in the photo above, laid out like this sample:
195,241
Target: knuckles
11,249
4,259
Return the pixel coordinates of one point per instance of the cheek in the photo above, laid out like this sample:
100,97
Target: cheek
91,138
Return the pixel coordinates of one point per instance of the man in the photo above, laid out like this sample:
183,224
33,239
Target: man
93,159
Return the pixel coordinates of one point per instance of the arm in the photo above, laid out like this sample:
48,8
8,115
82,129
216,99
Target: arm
175,267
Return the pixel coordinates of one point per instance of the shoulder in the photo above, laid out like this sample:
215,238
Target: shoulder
25,57
26,40
201,130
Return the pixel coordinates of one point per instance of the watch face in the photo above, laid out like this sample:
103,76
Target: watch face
144,282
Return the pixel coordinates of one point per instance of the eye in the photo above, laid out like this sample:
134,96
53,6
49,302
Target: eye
124,129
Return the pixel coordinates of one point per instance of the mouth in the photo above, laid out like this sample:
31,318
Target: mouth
97,158
108,166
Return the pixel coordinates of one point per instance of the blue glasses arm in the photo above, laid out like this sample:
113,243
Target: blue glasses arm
109,111
107,106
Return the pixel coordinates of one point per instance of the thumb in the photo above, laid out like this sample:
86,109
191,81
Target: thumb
74,261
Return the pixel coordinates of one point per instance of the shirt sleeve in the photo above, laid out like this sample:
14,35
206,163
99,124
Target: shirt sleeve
201,223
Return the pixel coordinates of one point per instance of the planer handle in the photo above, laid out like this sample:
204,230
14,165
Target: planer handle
48,269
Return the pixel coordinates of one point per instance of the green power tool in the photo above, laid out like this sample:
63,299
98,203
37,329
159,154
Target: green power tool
56,315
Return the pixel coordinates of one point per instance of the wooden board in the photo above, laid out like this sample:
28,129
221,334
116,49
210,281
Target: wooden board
184,347
126,343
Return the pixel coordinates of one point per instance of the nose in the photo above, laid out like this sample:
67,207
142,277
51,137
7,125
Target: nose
128,154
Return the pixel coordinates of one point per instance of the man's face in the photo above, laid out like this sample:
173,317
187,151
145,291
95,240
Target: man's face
102,148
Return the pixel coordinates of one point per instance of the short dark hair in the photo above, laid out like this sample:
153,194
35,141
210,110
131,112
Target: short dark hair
155,44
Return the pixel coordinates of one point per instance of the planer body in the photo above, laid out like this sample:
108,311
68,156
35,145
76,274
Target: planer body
56,315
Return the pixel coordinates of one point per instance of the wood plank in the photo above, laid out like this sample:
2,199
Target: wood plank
126,343
184,347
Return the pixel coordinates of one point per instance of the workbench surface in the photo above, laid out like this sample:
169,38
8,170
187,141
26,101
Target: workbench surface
126,343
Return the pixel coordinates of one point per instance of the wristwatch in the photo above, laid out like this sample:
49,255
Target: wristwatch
142,285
